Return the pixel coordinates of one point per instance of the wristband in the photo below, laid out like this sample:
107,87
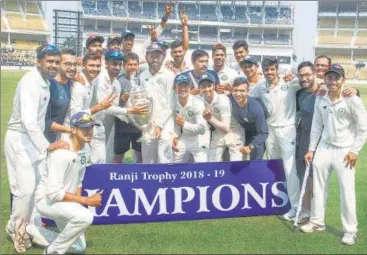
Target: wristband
164,19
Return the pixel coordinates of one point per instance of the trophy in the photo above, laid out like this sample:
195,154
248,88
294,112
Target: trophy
138,96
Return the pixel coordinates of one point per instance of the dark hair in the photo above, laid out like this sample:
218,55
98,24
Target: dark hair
269,62
305,64
323,56
198,54
90,56
175,44
68,52
132,56
47,49
240,81
219,46
239,44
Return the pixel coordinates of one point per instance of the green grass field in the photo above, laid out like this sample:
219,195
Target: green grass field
258,235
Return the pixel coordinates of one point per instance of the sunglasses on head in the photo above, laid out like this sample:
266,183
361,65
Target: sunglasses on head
48,48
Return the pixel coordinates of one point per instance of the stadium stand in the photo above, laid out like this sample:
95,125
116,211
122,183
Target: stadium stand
344,37
29,6
350,71
361,39
191,10
119,9
254,38
347,7
285,16
340,59
271,15
16,21
362,22
346,22
35,23
3,24
227,12
208,12
11,6
361,58
19,58
327,22
327,7
363,74
326,37
241,14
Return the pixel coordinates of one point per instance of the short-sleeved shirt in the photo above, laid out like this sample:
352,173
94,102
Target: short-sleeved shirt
58,107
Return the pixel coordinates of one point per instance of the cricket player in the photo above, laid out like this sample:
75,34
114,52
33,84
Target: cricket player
240,52
192,133
59,194
250,67
107,84
179,48
199,60
114,42
126,134
158,82
280,101
251,116
25,144
322,64
94,43
225,130
60,95
226,74
341,126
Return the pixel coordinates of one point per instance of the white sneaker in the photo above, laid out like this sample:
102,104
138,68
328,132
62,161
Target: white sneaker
9,233
311,227
19,231
290,214
46,252
349,238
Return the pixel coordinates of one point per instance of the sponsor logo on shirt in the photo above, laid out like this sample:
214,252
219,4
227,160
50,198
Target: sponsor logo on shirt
285,87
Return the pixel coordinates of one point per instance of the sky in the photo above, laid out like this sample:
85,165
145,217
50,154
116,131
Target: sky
304,33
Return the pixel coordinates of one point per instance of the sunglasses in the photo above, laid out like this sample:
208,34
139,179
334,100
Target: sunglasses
112,55
48,48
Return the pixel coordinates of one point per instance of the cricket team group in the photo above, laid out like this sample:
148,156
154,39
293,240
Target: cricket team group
68,114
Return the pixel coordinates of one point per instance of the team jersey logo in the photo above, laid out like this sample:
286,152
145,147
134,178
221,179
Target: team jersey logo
216,110
190,113
341,112
325,107
224,77
83,160
113,89
160,81
285,87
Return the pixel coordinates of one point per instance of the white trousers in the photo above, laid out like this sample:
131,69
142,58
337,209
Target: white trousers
22,162
188,145
327,158
72,220
157,150
219,143
281,144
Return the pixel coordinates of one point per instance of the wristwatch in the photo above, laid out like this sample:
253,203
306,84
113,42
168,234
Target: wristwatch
251,146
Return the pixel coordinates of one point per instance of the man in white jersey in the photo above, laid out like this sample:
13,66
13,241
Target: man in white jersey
192,133
225,73
250,67
59,194
225,131
105,85
25,144
341,123
280,102
158,82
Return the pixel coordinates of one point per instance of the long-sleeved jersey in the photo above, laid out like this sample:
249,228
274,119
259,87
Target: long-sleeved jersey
342,123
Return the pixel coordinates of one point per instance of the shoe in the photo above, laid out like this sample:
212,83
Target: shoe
311,227
349,238
10,233
303,217
46,252
290,215
19,232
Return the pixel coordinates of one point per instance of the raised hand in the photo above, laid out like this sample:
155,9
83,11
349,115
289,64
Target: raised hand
183,17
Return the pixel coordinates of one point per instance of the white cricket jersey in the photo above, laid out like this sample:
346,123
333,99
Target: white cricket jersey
160,88
81,98
29,109
238,69
195,124
103,88
220,107
342,123
226,75
280,101
64,173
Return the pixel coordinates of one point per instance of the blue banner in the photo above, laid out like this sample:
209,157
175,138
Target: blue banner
173,192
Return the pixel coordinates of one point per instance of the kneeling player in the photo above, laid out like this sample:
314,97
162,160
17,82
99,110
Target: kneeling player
226,132
58,196
192,134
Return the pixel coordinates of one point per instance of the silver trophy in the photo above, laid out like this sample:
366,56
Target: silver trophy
138,96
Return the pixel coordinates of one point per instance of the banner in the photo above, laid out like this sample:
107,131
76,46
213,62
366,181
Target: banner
173,192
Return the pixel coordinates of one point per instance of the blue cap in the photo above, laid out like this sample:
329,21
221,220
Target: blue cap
113,55
182,79
154,47
207,77
126,33
47,48
114,38
163,44
335,68
251,60
82,120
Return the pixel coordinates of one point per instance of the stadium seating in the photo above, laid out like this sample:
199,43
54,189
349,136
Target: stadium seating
25,45
347,6
340,59
255,39
16,21
362,22
363,74
191,10
271,15
361,39
285,16
207,12
17,58
346,22
361,58
227,12
326,37
343,37
327,7
350,71
12,6
3,25
96,8
35,23
119,9
327,22
30,6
